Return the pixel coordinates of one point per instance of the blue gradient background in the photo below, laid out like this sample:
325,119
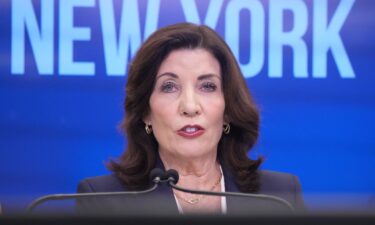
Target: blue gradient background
56,130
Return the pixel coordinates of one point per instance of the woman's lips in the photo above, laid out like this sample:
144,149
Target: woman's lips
191,131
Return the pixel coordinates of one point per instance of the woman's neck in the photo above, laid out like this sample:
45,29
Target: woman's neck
197,173
203,174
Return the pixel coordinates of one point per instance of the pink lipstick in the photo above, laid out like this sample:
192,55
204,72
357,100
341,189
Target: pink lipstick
191,131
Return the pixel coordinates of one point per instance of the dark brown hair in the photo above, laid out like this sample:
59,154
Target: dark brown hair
139,159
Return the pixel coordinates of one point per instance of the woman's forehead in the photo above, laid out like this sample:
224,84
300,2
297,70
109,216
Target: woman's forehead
198,61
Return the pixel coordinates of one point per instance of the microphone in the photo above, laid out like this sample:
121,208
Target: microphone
157,175
173,177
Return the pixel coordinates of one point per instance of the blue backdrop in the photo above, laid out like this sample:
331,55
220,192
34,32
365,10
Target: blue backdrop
308,64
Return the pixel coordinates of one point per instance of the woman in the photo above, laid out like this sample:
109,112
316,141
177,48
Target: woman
188,108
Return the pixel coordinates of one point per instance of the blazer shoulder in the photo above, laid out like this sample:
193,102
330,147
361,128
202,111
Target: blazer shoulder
284,185
272,181
105,183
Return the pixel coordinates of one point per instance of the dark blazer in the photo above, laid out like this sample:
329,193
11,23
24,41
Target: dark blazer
282,185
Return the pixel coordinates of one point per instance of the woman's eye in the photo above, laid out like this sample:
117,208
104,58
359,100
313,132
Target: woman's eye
168,87
209,86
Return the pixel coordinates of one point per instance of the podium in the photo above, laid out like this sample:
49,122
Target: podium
299,219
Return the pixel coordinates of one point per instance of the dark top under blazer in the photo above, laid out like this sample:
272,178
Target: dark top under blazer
282,185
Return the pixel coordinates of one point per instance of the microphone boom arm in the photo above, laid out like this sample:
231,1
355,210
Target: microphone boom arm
232,194
40,200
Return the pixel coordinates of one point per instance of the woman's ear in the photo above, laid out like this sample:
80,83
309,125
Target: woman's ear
226,118
147,120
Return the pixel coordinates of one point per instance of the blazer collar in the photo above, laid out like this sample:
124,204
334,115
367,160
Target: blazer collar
230,184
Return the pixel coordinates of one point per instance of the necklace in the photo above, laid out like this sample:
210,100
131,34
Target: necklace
199,198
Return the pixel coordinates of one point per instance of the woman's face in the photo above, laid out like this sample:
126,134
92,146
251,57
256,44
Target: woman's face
187,104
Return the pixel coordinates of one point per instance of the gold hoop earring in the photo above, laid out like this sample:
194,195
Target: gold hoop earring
148,128
226,128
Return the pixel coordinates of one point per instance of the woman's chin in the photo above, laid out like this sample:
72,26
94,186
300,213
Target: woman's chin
193,153
188,151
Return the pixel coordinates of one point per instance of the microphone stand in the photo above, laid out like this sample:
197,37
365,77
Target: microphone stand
172,181
42,199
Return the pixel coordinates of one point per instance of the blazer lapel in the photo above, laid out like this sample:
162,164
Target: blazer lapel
230,186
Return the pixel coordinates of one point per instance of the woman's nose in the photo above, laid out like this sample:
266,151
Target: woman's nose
189,104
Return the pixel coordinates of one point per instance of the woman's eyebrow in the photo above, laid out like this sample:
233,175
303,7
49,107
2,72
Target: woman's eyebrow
166,74
209,75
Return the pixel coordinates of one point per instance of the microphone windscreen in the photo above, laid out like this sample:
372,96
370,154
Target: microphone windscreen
173,174
157,172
